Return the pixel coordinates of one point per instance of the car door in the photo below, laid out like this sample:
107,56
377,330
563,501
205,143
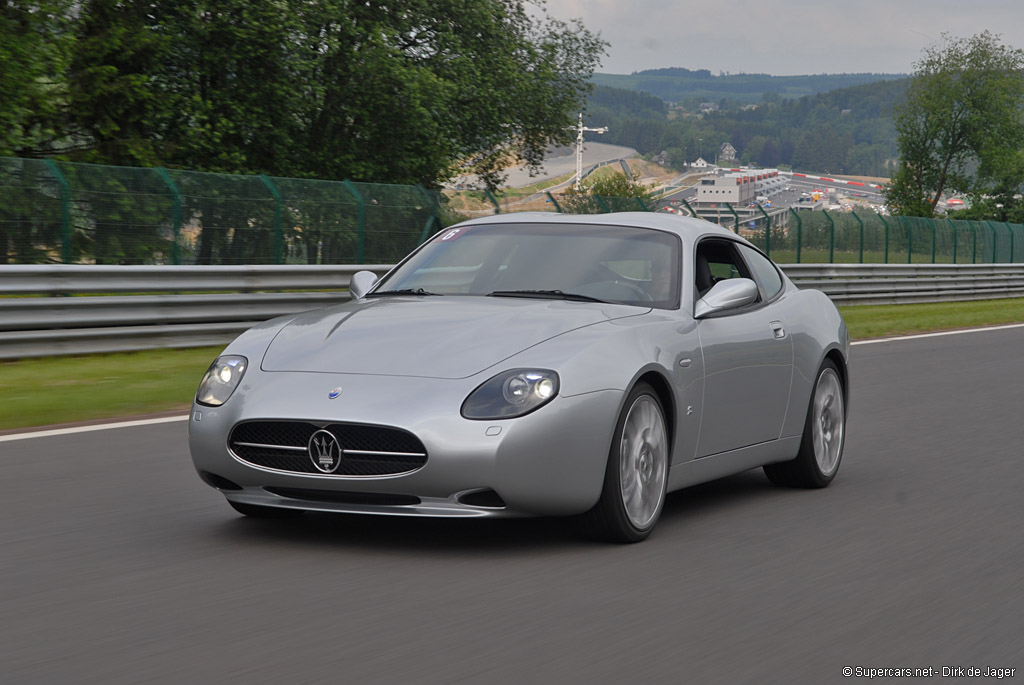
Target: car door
748,355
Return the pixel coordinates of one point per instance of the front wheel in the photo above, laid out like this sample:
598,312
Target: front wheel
821,448
636,475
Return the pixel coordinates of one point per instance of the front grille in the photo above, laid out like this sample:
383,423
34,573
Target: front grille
366,450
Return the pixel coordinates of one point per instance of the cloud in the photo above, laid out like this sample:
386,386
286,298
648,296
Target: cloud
783,36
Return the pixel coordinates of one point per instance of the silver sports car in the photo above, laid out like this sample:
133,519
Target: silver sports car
533,365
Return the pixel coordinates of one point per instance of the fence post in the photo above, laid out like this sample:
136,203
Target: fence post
886,224
65,210
434,208
493,200
799,233
278,206
767,231
974,242
934,236
993,229
861,258
604,205
175,211
910,235
955,232
558,207
687,204
1010,231
831,238
736,227
360,221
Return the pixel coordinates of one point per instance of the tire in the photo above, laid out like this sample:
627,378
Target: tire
636,475
261,512
821,448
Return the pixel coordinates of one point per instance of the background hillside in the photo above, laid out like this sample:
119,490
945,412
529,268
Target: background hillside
690,87
843,131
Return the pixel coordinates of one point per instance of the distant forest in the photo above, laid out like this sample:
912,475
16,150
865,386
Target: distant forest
689,88
844,131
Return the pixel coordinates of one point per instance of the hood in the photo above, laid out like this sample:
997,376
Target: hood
436,337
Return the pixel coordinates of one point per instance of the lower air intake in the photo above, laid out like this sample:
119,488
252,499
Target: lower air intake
335,497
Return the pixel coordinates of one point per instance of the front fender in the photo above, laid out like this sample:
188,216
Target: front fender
818,330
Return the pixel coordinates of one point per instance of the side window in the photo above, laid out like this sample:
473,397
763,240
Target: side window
767,274
716,260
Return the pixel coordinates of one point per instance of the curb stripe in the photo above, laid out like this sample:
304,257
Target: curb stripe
87,429
940,334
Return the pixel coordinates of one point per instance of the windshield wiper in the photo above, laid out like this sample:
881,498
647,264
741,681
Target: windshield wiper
546,295
403,291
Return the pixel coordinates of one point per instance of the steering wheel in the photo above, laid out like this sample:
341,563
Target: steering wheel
644,295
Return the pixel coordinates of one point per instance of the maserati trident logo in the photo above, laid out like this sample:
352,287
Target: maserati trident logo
325,451
334,394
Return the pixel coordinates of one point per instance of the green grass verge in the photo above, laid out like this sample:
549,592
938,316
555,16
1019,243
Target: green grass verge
874,321
39,392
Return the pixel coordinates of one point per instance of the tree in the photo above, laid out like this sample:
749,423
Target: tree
961,126
365,89
33,56
612,192
113,112
359,89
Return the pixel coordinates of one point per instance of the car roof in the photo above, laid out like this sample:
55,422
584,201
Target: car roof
687,228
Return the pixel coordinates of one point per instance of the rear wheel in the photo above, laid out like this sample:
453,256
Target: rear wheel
262,512
636,475
821,448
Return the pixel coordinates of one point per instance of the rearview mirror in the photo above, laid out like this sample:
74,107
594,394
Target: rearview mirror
361,283
731,293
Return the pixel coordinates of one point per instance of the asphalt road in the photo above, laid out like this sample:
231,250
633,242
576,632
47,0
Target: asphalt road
562,161
119,566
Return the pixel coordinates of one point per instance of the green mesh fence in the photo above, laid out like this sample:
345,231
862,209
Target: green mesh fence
86,213
120,215
825,237
398,218
322,220
34,214
54,212
226,219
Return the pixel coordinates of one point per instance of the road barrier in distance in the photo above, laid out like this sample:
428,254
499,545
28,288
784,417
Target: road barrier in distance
48,310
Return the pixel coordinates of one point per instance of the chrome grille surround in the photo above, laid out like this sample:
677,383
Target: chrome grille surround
367,450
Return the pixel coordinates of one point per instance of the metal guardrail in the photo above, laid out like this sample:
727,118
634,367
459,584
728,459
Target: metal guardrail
848,284
146,307
76,279
50,310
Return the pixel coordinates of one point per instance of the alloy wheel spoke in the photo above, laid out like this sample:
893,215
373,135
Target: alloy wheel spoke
643,461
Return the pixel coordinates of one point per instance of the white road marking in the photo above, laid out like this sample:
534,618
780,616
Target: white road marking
86,429
169,419
939,334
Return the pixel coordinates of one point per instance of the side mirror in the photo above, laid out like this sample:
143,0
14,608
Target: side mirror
360,283
732,293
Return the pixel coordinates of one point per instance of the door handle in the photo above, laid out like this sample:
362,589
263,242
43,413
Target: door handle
778,329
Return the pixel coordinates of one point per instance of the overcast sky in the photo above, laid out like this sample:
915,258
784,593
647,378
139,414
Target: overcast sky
782,37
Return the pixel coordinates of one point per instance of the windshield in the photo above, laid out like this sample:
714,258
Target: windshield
615,264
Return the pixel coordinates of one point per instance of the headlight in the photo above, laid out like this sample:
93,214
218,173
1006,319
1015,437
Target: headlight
220,380
511,393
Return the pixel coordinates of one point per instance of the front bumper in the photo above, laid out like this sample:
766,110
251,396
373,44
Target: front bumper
549,462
